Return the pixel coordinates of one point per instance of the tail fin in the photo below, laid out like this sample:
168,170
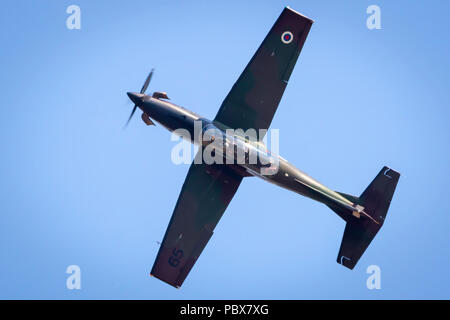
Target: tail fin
360,232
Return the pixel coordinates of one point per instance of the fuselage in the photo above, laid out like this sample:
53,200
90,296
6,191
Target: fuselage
270,167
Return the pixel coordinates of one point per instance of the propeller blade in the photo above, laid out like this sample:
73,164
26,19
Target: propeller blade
147,81
144,88
131,116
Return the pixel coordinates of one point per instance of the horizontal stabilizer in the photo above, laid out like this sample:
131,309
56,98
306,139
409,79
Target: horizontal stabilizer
359,233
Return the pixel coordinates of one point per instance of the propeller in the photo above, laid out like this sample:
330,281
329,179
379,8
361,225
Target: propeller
144,88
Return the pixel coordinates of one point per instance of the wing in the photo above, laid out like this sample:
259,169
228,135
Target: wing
255,96
206,193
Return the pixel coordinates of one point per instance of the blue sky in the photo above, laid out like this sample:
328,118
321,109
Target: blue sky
77,189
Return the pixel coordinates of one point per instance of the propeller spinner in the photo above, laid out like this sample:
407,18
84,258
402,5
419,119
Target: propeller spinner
134,96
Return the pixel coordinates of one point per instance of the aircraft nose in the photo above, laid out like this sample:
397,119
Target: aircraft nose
135,97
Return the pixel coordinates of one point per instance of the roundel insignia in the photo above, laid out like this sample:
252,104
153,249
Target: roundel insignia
287,37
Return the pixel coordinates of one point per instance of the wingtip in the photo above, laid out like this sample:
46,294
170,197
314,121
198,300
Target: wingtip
169,283
300,14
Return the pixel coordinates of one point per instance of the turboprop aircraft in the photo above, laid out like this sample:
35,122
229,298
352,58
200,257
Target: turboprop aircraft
209,188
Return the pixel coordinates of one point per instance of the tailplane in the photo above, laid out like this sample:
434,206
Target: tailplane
374,201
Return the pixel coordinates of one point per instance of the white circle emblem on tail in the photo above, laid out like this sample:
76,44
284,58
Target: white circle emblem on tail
287,37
